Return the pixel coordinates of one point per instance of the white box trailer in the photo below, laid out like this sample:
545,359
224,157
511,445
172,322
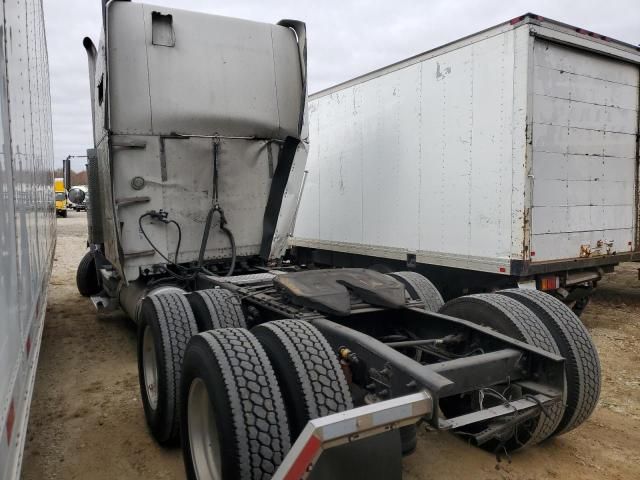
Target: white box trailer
505,156
27,217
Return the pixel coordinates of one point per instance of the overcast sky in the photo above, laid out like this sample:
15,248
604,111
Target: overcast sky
346,39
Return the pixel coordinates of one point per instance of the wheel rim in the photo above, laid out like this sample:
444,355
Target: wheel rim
204,439
150,368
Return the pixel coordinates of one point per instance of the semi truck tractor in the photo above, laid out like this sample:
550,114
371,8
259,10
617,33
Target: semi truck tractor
505,158
28,220
258,366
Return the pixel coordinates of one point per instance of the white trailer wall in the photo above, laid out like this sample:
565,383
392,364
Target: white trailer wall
517,144
420,160
27,216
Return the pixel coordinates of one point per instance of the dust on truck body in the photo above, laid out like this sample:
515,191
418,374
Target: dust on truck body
261,367
28,220
509,155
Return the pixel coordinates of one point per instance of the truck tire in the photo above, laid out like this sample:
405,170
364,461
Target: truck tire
216,308
63,213
509,317
311,380
166,326
232,415
420,288
582,365
87,276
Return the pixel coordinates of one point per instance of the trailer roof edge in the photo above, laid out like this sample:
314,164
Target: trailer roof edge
522,20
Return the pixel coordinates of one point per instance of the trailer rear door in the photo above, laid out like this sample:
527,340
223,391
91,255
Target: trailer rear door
585,126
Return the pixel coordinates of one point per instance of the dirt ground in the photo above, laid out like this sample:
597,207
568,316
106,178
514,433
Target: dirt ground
87,420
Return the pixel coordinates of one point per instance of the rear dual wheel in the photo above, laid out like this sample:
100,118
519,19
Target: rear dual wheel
216,308
310,377
232,414
543,321
246,396
166,325
582,365
508,316
420,288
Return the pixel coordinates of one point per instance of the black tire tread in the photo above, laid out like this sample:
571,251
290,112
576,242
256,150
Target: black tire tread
423,289
217,308
317,373
576,345
258,411
87,277
531,331
177,325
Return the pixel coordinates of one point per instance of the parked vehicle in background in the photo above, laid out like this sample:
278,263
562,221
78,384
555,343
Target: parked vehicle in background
62,198
78,198
506,158
28,223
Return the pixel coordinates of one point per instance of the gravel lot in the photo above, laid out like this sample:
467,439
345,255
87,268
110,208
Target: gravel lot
87,419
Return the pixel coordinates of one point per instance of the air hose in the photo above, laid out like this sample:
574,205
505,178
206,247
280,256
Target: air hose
223,220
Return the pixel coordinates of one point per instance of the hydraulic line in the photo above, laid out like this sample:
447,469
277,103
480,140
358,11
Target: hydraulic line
162,216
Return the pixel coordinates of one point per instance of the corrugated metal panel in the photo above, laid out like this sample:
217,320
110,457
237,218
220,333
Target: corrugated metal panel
27,220
585,121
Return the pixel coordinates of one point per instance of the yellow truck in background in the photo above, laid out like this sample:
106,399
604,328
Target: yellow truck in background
61,197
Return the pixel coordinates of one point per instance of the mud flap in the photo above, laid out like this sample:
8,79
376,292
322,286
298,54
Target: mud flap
363,442
373,458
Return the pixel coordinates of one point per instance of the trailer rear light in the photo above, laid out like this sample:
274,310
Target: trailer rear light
513,21
551,282
502,270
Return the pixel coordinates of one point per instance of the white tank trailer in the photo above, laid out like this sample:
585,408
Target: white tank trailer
260,367
79,197
507,157
28,217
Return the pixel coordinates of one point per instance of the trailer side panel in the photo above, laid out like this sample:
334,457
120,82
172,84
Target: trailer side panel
27,222
401,162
